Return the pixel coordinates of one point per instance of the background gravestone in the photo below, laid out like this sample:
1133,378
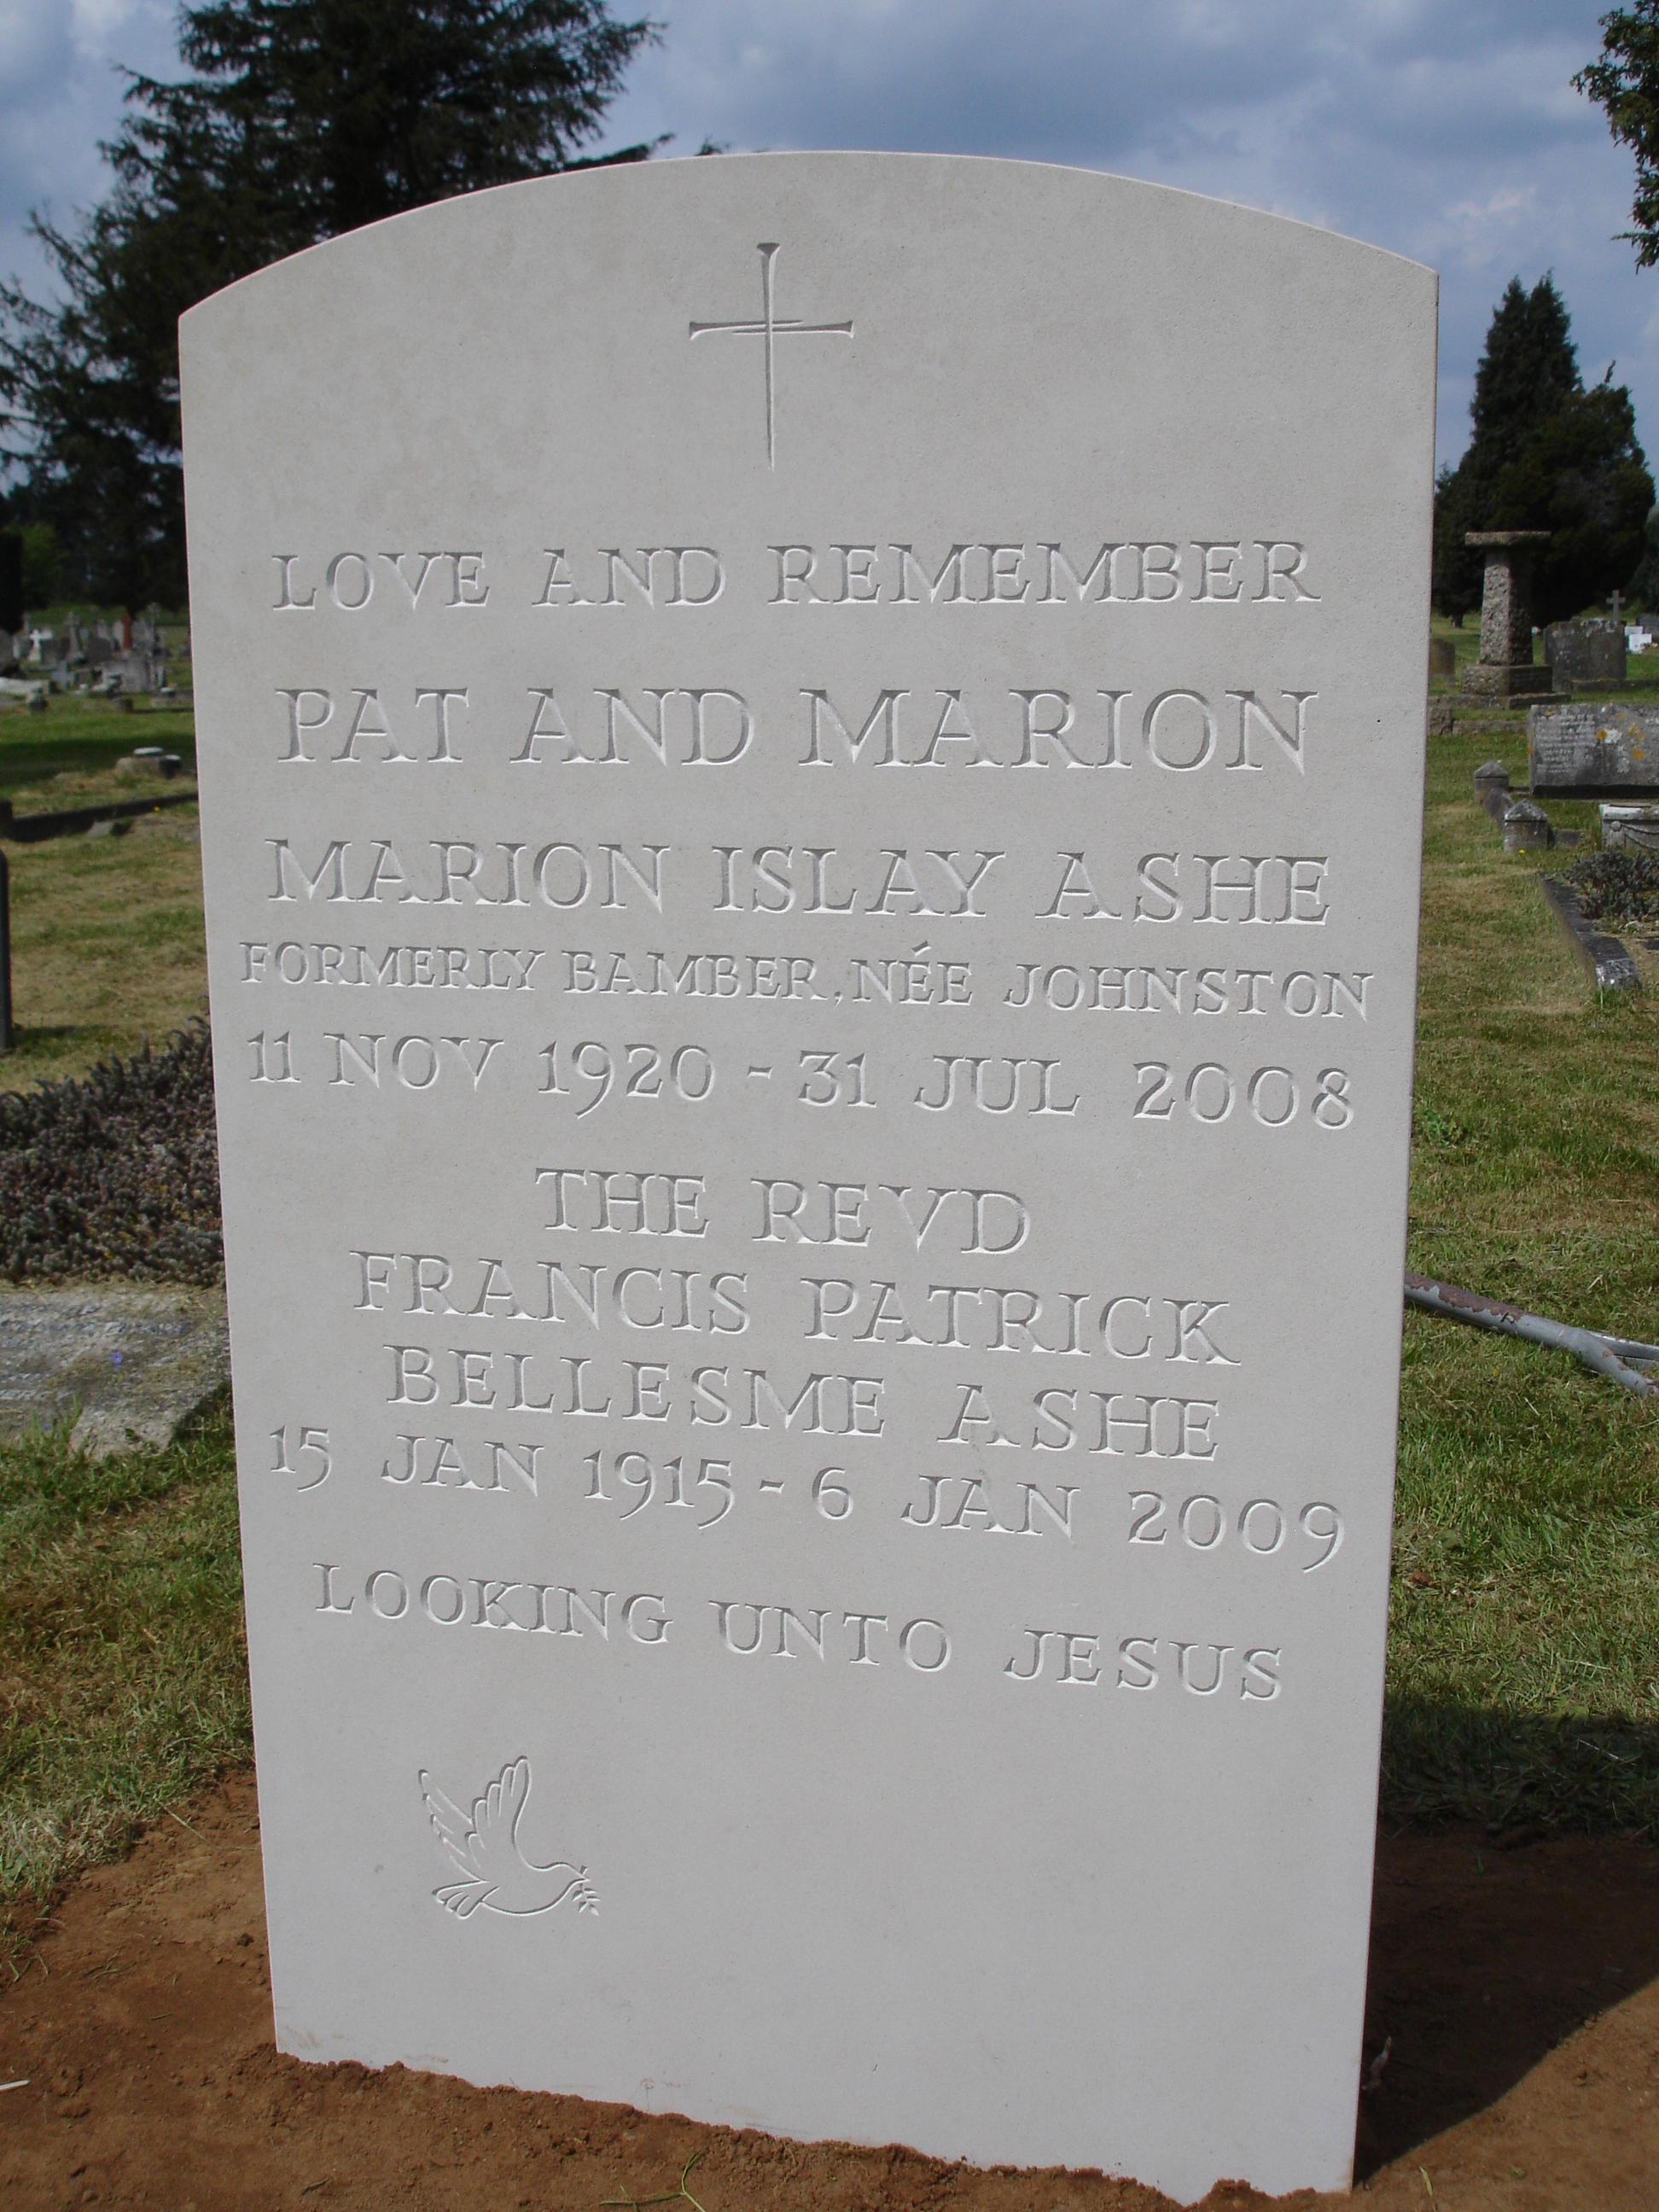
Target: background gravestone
1590,651
1594,750
811,779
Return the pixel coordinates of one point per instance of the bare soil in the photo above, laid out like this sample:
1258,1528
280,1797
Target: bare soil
1513,1984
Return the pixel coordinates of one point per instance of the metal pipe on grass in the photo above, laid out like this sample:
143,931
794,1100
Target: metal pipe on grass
1618,1358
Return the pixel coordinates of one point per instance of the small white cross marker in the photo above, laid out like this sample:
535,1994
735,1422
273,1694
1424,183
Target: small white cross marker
771,327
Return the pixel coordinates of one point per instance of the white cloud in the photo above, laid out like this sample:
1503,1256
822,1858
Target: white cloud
99,23
1507,202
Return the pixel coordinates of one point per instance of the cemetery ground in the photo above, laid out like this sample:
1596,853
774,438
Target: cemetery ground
1513,2019
107,945
1642,668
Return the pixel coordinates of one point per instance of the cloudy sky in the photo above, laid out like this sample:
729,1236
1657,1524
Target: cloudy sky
1447,130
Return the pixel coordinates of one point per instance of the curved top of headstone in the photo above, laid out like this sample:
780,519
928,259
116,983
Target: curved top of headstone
600,243
1504,536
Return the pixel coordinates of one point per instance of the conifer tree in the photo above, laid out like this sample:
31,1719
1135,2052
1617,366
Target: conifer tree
1546,454
1528,368
298,119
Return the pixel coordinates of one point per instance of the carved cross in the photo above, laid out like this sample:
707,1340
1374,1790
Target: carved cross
771,327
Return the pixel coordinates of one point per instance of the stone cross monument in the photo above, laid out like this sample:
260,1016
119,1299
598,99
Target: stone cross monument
1505,669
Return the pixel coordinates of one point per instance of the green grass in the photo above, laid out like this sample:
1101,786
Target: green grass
75,735
1524,1621
107,943
121,1653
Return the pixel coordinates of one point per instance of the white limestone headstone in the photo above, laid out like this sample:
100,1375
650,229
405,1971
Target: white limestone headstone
810,776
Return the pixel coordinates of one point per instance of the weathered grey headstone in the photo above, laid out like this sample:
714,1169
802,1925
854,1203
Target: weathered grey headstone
811,829
1589,651
1505,669
1594,749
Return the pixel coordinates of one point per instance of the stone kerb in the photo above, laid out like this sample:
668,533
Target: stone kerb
1505,669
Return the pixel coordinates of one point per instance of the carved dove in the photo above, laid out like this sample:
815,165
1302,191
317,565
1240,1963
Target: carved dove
483,1848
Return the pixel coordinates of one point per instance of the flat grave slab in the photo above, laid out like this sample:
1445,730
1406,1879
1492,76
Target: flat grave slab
132,1363
810,776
